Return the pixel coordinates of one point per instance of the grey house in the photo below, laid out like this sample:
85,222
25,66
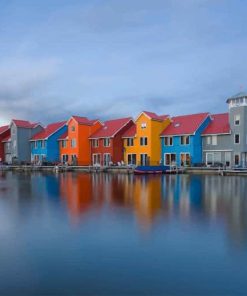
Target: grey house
17,146
225,138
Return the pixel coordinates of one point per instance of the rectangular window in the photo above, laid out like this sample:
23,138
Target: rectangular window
95,143
143,141
237,159
185,140
64,143
143,125
185,159
73,143
72,128
144,159
170,159
208,140
130,142
106,142
168,141
214,140
43,144
236,139
132,159
237,119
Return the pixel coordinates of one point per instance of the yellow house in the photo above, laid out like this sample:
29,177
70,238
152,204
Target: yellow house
142,145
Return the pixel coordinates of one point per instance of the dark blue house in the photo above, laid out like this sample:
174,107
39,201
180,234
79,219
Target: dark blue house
181,141
45,145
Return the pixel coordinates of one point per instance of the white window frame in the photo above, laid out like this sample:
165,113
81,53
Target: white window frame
106,142
182,138
236,115
130,142
214,140
73,143
95,143
169,141
143,141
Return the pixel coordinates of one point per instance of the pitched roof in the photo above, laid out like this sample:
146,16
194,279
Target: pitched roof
110,128
24,123
48,131
63,136
185,124
218,125
3,128
238,95
130,133
84,120
154,116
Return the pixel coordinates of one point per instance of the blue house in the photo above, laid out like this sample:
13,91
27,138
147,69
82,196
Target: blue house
181,142
45,145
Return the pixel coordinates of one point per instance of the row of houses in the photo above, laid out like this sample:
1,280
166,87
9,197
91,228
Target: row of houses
150,139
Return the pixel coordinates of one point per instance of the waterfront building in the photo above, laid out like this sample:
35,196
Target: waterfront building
142,142
17,148
4,135
74,145
181,140
45,146
225,139
107,143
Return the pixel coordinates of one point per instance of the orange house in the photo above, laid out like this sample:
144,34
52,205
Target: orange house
74,145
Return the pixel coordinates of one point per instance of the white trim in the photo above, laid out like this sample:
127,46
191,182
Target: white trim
217,134
235,139
223,150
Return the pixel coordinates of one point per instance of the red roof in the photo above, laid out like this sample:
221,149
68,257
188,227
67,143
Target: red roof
24,123
154,116
184,125
48,131
84,120
218,125
3,128
63,136
7,139
110,128
130,133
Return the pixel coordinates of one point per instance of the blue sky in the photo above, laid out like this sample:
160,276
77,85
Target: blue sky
107,59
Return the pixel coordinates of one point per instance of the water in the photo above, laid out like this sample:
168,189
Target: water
105,234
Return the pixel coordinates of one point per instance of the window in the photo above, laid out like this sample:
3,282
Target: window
65,158
72,128
143,141
170,159
208,140
168,141
130,142
237,119
185,140
106,142
64,143
185,159
214,140
236,139
43,144
35,144
144,159
132,159
143,125
237,159
95,143
73,143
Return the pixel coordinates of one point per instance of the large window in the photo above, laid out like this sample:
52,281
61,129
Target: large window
95,143
185,140
185,159
144,159
106,142
236,139
130,142
168,141
132,159
170,159
143,141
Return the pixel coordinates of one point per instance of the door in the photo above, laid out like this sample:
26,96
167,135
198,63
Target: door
96,159
209,158
144,159
107,159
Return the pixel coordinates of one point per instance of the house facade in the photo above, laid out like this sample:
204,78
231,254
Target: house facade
225,139
74,145
107,143
17,147
4,135
141,142
181,141
45,145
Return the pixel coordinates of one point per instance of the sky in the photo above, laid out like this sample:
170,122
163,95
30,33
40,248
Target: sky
112,58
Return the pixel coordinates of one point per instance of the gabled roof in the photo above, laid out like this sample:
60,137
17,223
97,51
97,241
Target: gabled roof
218,125
3,129
111,128
64,136
48,131
154,116
185,124
24,123
84,120
131,132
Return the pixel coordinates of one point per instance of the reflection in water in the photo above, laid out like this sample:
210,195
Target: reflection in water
189,219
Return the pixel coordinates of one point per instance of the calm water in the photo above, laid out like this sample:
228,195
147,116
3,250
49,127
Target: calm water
116,234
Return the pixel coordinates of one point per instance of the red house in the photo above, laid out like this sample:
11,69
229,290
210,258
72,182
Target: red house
4,134
107,143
